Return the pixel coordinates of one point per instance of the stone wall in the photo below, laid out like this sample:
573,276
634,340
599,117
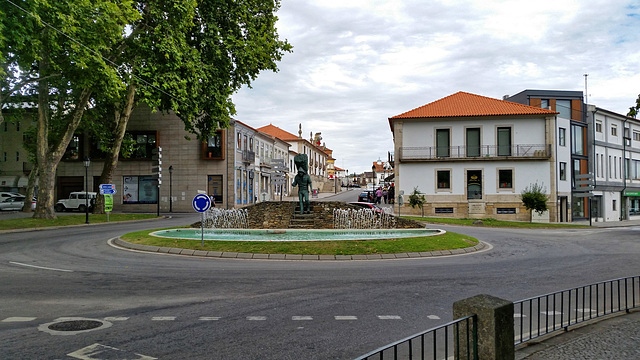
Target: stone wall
277,215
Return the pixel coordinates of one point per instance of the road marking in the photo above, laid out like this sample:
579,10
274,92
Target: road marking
209,318
39,267
99,351
18,319
116,318
389,317
346,317
256,318
516,315
551,313
586,310
301,318
163,318
434,317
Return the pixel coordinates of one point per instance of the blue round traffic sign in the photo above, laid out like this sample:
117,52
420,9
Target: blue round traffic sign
201,203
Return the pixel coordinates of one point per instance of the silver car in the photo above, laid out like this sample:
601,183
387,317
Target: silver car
14,204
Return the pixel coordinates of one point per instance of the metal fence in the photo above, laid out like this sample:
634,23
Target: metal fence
484,151
458,338
540,315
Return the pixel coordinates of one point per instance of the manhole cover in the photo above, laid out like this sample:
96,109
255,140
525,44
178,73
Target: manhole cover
75,325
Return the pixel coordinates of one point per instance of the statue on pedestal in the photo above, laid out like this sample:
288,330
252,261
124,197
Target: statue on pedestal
303,181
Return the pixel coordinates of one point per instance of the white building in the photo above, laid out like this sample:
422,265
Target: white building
472,156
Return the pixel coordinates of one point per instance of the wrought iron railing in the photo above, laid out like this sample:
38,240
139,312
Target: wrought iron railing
532,151
541,315
458,338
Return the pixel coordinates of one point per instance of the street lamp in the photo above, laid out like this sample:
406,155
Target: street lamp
170,188
87,162
373,169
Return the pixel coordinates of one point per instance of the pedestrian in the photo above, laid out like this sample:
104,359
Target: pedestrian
385,194
378,195
392,194
213,201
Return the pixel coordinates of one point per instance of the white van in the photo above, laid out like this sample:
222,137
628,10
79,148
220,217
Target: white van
76,201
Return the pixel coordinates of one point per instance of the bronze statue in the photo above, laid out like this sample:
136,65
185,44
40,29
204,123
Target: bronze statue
303,181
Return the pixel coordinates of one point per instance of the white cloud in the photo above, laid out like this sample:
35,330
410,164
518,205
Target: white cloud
356,63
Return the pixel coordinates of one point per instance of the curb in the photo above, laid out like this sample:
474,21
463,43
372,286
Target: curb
118,242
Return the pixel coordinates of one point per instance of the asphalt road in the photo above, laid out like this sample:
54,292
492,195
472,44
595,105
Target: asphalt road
173,307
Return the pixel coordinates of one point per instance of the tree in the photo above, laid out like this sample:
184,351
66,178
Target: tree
184,56
633,111
417,199
534,198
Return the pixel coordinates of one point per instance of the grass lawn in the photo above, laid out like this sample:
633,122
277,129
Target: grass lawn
446,241
489,222
63,220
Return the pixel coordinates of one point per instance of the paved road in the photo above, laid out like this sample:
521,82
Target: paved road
171,307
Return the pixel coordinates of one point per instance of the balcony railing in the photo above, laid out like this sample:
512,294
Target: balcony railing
248,156
490,152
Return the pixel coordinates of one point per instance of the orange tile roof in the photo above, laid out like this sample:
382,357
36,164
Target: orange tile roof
279,133
463,104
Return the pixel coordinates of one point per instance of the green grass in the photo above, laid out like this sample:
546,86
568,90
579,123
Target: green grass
64,220
489,222
446,241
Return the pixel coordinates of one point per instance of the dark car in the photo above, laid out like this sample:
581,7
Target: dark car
367,205
364,196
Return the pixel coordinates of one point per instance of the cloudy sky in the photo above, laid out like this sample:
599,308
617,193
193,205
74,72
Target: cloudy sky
355,63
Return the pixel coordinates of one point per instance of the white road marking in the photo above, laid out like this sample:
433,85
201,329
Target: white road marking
551,313
18,319
301,318
516,315
209,318
116,318
256,318
346,317
389,317
586,310
106,352
163,318
39,267
434,317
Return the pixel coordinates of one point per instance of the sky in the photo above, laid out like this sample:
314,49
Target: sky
356,63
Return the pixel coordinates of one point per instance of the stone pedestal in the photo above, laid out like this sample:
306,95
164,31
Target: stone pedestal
494,326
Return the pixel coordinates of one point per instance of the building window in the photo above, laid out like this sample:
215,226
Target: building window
598,126
142,143
18,126
577,143
613,205
443,178
4,156
562,135
239,141
474,184
634,207
544,103
73,149
17,155
139,190
563,107
614,130
473,142
505,210
214,187
636,136
442,142
214,147
609,173
563,171
504,141
505,178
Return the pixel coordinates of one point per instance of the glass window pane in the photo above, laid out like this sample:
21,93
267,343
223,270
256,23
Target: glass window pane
473,142
504,141
442,142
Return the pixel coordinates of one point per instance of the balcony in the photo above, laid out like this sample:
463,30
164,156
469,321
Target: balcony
248,156
482,153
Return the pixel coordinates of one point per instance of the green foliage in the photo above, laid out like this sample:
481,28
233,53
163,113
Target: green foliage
633,111
416,198
534,198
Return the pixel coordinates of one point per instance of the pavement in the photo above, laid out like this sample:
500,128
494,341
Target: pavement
611,337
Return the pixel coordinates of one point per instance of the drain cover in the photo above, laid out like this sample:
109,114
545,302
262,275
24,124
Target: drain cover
75,325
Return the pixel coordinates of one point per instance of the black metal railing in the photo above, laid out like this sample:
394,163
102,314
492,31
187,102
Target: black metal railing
540,315
458,338
527,151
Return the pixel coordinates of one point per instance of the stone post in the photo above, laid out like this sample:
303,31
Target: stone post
495,327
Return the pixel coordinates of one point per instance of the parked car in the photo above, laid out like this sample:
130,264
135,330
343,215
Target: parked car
367,205
76,201
15,204
364,196
6,195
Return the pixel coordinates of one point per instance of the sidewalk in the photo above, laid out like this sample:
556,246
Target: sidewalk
614,337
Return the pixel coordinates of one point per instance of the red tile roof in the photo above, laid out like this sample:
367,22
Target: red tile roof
462,104
279,133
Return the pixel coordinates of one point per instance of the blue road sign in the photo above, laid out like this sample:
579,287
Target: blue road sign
107,191
201,203
107,186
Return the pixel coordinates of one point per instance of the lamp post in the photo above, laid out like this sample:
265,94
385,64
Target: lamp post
87,162
170,188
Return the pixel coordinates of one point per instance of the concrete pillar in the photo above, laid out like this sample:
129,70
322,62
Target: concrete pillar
495,326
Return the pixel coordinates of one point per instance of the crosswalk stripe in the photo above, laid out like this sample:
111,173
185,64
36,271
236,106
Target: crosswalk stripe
163,318
209,318
301,318
434,317
116,318
346,317
18,319
389,317
256,318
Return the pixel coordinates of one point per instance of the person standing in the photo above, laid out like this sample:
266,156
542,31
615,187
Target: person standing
378,195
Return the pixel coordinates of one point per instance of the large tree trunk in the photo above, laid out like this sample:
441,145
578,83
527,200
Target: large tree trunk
111,162
30,190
